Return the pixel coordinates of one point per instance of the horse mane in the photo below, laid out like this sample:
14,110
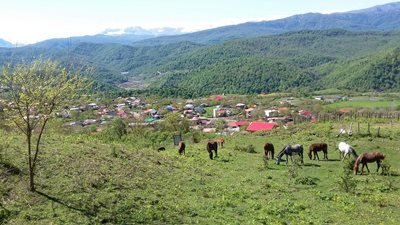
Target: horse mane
280,154
357,162
353,152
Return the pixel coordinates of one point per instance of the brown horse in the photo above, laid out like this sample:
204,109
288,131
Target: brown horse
212,146
269,150
221,142
182,147
368,157
317,147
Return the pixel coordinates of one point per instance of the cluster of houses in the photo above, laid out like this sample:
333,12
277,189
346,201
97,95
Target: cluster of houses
202,116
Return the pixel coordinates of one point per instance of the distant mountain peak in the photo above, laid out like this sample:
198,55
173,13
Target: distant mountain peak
137,30
5,44
394,6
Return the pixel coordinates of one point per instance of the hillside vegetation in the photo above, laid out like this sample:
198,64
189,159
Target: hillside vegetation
86,179
304,60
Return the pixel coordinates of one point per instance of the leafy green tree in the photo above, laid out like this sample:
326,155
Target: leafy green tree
36,92
174,122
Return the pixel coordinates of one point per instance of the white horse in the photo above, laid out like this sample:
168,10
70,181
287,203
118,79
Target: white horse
346,149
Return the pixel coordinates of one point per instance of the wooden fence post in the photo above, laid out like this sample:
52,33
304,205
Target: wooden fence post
368,129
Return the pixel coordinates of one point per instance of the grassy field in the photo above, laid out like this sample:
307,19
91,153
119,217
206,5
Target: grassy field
83,180
365,103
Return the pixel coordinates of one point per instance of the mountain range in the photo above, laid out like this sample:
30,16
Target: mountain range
5,44
357,49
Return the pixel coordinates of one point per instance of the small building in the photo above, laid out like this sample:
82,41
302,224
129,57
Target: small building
260,125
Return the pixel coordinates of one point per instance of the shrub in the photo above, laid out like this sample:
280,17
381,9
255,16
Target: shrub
346,181
248,148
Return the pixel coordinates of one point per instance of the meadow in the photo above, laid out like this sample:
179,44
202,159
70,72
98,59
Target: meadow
84,179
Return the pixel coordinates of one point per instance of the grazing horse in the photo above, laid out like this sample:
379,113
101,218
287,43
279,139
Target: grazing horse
290,150
269,150
212,146
221,142
346,149
317,147
368,157
182,147
161,149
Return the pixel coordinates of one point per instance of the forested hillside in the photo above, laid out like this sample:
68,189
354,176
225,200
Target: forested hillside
307,60
303,60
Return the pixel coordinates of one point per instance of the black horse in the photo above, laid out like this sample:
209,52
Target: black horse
212,146
290,150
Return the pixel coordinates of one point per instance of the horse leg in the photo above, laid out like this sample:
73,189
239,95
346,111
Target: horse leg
316,153
326,155
286,159
378,163
216,153
362,168
366,165
210,154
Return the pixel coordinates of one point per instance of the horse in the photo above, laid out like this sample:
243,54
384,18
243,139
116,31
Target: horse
368,157
182,147
269,150
161,149
290,150
345,149
212,146
221,142
317,147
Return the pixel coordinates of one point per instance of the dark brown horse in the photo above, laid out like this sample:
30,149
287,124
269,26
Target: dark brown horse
269,150
221,142
182,147
368,157
317,147
212,146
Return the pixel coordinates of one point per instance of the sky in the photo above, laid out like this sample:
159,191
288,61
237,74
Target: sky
30,21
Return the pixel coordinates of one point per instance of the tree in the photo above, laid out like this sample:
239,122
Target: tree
174,122
36,91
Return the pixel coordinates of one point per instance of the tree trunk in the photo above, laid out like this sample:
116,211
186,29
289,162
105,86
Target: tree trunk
31,168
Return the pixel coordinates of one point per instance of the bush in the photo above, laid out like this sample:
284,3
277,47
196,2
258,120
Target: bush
346,181
248,149
307,180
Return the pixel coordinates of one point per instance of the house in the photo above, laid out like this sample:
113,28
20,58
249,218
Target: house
240,105
304,113
271,113
237,123
260,125
218,98
248,112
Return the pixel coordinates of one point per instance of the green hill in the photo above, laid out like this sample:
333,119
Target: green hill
303,60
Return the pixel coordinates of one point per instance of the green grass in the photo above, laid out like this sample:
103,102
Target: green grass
364,103
84,180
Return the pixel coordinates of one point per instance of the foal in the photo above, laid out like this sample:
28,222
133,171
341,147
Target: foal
368,157
221,142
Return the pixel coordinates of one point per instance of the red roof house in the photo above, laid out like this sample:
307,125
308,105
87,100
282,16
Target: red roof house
257,126
237,123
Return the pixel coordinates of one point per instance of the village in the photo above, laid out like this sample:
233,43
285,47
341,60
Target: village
204,114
